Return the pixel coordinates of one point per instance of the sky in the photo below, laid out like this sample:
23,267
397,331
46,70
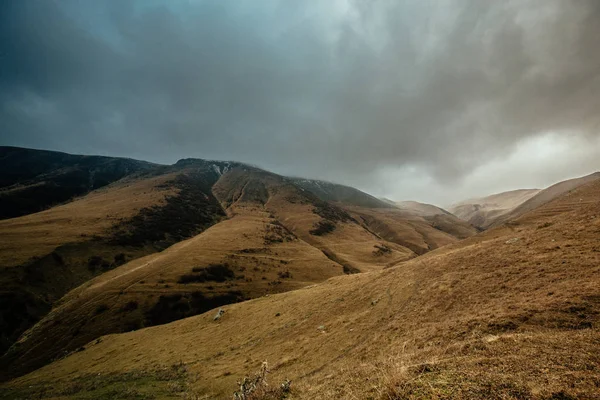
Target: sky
427,100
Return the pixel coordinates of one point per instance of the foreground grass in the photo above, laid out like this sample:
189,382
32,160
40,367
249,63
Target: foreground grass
162,383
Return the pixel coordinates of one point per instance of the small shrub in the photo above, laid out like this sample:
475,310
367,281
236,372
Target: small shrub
58,258
284,275
322,228
95,261
120,259
130,306
212,273
101,308
380,250
256,387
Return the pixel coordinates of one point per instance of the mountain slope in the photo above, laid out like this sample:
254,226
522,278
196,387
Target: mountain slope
334,192
422,209
46,254
483,212
547,195
251,233
33,180
510,313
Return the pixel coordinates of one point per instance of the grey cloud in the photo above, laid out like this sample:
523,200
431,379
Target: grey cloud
338,90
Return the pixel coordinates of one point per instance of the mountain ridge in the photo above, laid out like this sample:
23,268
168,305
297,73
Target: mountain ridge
449,321
146,215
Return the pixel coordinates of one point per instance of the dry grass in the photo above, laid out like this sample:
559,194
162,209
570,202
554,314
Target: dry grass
508,314
266,245
38,234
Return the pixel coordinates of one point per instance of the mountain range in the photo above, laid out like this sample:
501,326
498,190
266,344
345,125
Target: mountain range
113,271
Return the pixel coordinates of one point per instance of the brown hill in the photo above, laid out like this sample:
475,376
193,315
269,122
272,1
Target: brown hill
252,233
483,212
511,313
46,254
545,196
422,209
334,192
33,180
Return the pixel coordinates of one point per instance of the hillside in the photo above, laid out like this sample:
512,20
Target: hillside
417,230
46,254
33,180
511,313
422,209
175,241
545,196
483,212
328,191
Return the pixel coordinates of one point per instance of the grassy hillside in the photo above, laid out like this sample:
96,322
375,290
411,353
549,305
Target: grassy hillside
33,180
511,313
328,191
175,241
258,250
46,254
483,212
545,196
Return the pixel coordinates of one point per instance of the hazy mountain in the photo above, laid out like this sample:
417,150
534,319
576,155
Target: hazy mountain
483,212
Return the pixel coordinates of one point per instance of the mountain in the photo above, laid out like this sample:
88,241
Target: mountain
510,313
422,209
33,180
167,242
483,212
545,196
504,207
328,191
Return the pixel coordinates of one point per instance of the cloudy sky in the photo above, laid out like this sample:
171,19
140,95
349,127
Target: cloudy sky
431,100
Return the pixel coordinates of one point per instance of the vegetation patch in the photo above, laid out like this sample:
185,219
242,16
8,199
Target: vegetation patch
322,228
177,306
381,249
183,215
331,213
256,387
212,273
161,383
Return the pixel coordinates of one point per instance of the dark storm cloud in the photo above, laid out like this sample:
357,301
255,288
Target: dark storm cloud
340,90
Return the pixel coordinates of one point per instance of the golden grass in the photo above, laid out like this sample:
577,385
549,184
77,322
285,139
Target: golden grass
508,314
484,318
40,233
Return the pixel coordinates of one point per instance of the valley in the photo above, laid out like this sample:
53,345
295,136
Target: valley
346,295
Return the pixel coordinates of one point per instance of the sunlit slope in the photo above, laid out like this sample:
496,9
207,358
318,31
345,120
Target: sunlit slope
324,225
46,254
250,254
247,256
510,313
38,234
547,195
418,233
273,236
483,212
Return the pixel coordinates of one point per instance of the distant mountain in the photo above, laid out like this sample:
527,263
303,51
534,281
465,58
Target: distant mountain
422,209
545,196
483,212
328,191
